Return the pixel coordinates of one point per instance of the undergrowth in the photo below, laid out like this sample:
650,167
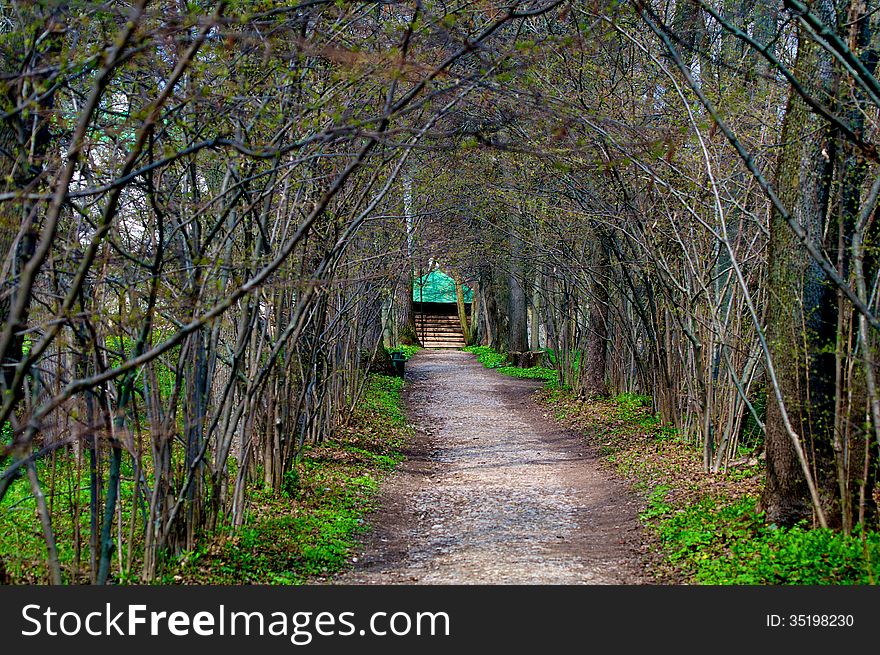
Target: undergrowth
719,540
705,528
491,358
487,356
310,530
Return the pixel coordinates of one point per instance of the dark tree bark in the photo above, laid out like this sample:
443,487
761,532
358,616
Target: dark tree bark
405,312
535,324
594,362
477,328
517,313
492,335
799,324
461,308
24,149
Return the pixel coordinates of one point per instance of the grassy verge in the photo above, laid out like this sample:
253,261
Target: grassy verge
493,359
706,529
309,532
306,532
702,528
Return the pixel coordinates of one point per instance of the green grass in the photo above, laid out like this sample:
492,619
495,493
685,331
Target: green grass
634,409
487,356
286,544
312,529
22,547
308,529
727,542
534,373
491,358
381,403
706,528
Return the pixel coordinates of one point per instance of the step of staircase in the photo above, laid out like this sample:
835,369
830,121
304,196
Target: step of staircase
437,331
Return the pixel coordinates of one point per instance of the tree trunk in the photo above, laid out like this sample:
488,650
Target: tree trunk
517,341
25,148
535,324
405,306
798,305
406,312
593,363
493,335
462,310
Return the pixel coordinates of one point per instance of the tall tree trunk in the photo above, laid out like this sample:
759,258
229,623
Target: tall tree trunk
593,364
493,336
517,341
460,307
799,324
477,327
535,324
25,141
405,312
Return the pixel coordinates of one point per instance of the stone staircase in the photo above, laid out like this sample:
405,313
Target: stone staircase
439,331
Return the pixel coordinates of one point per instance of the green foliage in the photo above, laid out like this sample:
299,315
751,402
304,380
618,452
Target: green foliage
22,547
631,405
380,460
334,485
534,373
707,527
666,432
723,541
487,356
704,530
290,483
554,394
491,358
634,410
381,399
657,505
308,529
575,358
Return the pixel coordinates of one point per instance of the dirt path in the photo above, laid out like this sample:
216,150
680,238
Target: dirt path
493,492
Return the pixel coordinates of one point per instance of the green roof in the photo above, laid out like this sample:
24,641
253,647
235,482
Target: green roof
436,286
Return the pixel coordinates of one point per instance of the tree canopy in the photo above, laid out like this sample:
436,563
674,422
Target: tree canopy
212,213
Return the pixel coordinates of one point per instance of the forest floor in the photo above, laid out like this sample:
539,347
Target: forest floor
494,492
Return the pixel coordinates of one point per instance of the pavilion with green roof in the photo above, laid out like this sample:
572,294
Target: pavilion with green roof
438,324
437,288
